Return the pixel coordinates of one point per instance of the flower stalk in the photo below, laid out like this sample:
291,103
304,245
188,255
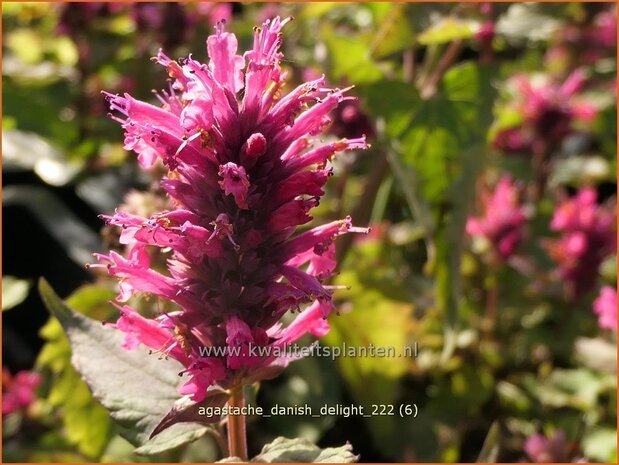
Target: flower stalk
237,432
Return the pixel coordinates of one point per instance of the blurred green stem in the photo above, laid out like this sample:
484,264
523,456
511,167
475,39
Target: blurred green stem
541,158
419,210
492,298
430,86
409,65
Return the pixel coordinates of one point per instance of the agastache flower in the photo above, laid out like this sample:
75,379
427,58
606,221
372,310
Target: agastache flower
244,173
605,307
502,222
587,237
549,111
543,449
18,391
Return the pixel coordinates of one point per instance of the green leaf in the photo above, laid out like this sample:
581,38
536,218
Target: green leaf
350,58
86,422
317,9
30,151
380,316
490,450
451,246
187,411
394,34
581,171
597,354
303,451
27,44
525,21
601,444
14,291
393,101
576,388
313,381
36,109
446,126
447,30
137,389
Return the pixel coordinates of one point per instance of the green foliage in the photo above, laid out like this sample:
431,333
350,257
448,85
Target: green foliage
86,422
350,58
396,32
312,381
117,378
601,445
14,291
380,315
303,451
447,30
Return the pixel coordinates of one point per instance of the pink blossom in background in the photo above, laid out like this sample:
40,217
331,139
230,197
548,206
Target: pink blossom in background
502,220
542,449
485,8
486,32
246,167
76,17
172,23
167,22
269,10
604,30
585,44
511,141
605,307
588,235
548,109
214,12
349,119
18,391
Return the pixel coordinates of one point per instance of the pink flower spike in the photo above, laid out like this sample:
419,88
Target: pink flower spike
503,218
245,169
542,449
605,307
18,391
587,236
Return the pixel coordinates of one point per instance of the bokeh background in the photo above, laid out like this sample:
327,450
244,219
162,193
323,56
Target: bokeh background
490,187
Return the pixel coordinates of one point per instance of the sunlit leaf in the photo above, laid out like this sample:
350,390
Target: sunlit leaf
86,422
26,150
303,451
447,30
524,21
378,314
597,354
490,450
601,445
350,58
117,378
14,291
395,32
